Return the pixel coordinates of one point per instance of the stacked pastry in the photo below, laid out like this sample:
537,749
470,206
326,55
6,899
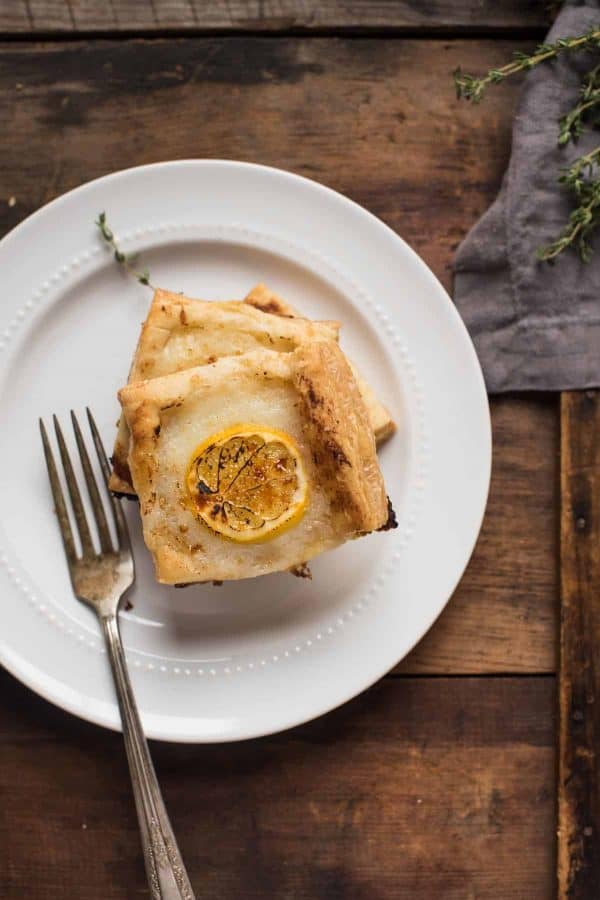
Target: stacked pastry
249,439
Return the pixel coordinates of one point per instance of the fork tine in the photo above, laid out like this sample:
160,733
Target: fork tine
92,486
120,522
82,525
59,499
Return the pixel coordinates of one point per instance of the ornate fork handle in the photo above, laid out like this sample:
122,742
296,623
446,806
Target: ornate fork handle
101,580
166,872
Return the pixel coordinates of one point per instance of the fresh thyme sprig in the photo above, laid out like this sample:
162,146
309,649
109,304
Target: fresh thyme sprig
572,125
582,177
127,260
472,88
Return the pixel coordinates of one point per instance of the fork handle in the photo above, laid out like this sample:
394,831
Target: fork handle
167,877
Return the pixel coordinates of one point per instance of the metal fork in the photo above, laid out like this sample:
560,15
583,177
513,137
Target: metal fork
101,580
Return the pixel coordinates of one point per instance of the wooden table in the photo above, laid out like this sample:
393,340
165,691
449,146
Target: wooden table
439,782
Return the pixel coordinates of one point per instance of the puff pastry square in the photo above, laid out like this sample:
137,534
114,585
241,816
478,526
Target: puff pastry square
309,395
261,297
180,333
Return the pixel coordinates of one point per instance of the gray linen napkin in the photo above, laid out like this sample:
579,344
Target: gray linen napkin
535,326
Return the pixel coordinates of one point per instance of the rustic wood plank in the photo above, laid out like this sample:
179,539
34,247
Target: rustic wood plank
426,164
72,16
14,17
503,614
579,766
422,789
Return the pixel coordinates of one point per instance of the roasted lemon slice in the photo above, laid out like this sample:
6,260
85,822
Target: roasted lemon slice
248,483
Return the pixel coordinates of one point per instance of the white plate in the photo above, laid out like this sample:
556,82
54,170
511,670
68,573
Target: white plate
253,657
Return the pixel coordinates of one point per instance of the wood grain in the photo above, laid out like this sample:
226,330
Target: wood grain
579,764
72,16
503,614
376,119
420,789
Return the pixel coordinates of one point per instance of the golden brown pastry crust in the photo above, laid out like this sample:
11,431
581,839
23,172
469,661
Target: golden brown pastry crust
340,433
261,297
214,329
332,428
382,423
171,312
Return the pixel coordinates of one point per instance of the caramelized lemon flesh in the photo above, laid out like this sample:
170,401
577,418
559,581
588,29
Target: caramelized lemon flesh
248,483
